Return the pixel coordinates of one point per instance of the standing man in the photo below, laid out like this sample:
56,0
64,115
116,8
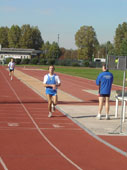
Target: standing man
11,66
104,81
51,82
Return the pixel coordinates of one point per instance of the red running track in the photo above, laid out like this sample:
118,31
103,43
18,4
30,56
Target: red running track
75,86
32,141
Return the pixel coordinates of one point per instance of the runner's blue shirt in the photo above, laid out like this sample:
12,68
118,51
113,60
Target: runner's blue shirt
104,81
51,80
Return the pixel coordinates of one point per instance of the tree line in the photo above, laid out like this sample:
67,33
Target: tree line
88,45
86,41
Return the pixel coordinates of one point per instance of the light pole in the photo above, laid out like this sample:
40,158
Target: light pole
58,45
58,39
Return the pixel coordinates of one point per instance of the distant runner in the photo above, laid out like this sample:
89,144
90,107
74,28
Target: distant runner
51,82
11,66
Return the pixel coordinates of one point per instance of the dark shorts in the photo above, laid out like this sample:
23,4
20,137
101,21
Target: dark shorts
11,70
104,95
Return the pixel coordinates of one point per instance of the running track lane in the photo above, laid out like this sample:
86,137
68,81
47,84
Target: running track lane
24,129
75,86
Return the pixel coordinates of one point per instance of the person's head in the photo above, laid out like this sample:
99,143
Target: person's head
11,59
51,69
104,67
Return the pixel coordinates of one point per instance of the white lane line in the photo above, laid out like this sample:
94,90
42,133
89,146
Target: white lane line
7,117
56,123
13,124
25,128
48,118
57,126
39,130
3,164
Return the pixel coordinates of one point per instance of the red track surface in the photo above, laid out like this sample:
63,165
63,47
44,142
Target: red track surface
32,141
73,85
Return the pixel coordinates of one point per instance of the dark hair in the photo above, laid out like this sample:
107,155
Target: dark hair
105,66
52,66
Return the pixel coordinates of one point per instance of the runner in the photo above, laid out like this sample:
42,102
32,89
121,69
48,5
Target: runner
51,82
11,66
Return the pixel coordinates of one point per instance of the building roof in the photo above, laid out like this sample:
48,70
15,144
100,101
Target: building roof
20,51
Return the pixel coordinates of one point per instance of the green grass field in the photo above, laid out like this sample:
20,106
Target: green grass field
90,73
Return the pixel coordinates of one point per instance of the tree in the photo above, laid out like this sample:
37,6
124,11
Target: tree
109,48
120,36
105,49
54,51
14,36
45,49
86,41
102,51
26,37
4,36
123,48
37,39
71,54
62,53
30,37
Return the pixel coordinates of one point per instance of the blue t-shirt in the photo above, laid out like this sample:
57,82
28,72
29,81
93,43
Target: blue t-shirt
104,81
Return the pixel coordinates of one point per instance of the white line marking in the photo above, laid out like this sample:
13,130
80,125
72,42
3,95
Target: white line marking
25,128
48,118
14,117
57,126
3,164
39,130
13,124
56,123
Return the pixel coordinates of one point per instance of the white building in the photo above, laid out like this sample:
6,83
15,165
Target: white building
18,53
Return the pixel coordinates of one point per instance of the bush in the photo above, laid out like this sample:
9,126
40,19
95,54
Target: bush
42,61
25,61
86,64
75,64
50,61
34,60
17,61
65,62
7,60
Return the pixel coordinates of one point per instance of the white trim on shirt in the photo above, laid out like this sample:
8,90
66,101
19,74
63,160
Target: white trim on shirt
57,79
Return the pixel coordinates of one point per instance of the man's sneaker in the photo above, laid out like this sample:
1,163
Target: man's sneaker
53,108
107,117
50,114
98,116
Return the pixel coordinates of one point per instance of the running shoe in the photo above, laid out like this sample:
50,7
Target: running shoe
50,114
107,117
98,116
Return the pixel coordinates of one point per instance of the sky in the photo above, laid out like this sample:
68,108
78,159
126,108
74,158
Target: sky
65,17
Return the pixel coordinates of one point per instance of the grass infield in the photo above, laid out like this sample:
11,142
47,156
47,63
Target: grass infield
90,73
85,72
